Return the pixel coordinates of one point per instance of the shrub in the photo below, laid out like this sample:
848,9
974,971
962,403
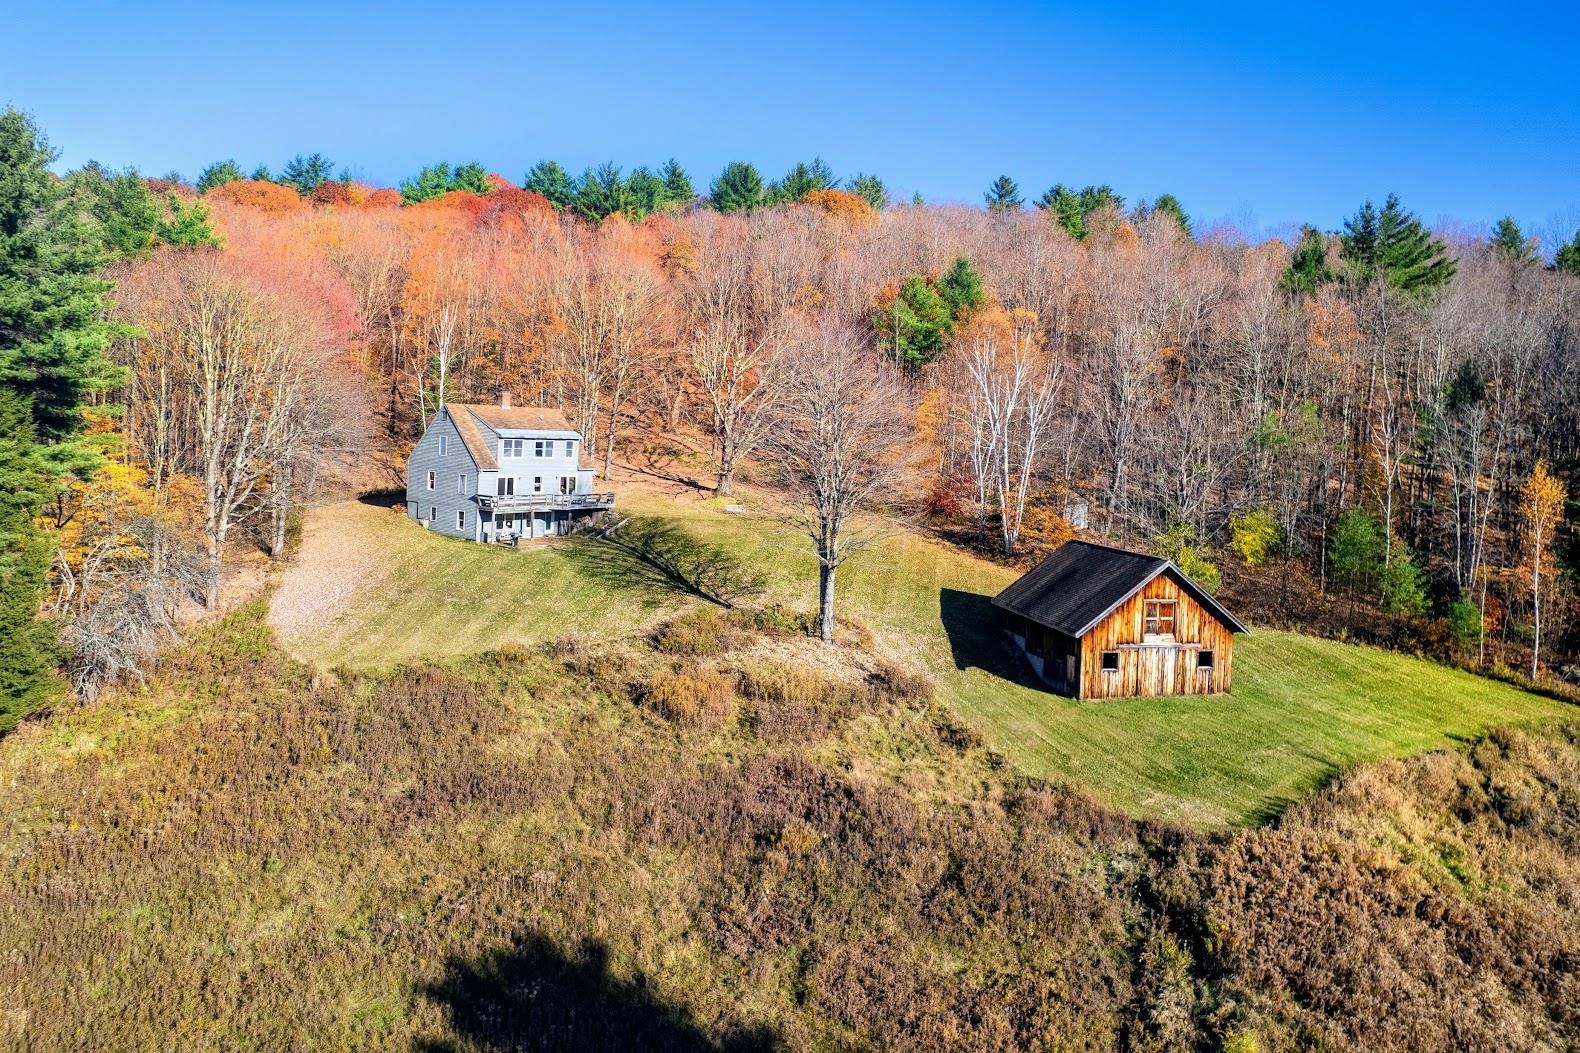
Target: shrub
705,631
773,620
691,695
1255,536
1178,543
796,704
952,732
1464,622
899,684
1401,587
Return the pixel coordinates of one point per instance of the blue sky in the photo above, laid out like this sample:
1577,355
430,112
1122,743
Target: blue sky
1265,114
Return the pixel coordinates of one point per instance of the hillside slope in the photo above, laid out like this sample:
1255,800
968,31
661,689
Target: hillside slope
618,848
1303,709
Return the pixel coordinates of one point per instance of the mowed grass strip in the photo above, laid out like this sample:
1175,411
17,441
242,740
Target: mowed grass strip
1303,709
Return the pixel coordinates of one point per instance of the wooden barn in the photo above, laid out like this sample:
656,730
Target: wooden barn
1103,622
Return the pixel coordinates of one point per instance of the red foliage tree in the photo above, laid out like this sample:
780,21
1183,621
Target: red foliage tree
330,192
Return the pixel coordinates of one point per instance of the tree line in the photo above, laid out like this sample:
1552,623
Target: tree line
1376,414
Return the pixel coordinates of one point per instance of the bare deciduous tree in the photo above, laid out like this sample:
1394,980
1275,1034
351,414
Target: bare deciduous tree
840,441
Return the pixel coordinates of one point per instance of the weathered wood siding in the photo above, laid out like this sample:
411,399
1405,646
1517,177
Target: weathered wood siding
1157,668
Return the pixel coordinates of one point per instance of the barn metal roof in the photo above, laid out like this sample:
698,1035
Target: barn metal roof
1082,583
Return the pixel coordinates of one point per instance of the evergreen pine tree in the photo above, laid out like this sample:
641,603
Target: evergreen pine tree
1064,205
304,173
551,180
647,191
1308,264
1169,205
471,177
217,174
52,299
801,181
914,328
261,174
1393,245
1567,258
678,189
127,214
29,650
1070,208
1003,195
1401,586
871,189
1510,242
427,184
187,225
961,288
1355,552
738,187
601,192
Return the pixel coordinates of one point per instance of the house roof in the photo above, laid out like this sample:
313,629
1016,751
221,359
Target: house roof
468,415
1082,583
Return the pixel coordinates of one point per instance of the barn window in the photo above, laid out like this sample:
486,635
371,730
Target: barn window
460,520
430,480
1204,660
1160,618
1110,661
444,445
460,483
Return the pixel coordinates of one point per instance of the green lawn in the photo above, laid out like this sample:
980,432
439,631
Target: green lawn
1302,709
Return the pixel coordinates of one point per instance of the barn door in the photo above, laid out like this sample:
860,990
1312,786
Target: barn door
1159,670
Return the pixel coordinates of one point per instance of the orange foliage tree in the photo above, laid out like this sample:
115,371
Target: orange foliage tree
850,210
259,194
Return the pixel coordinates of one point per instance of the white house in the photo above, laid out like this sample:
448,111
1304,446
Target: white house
498,473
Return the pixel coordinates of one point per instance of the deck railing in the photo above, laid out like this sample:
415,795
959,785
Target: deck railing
544,502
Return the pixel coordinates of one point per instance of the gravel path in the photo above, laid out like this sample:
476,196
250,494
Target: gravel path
332,564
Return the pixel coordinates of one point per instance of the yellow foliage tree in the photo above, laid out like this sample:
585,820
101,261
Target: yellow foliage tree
1542,508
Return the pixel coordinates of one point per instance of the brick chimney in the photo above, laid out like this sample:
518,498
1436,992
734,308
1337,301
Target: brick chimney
504,398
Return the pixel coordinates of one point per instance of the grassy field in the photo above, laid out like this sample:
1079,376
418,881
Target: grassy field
1303,709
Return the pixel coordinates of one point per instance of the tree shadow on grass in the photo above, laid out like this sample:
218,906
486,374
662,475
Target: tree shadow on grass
534,996
383,498
977,638
659,559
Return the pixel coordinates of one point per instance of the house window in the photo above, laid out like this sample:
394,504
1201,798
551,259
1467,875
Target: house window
460,520
507,485
1160,618
570,448
543,448
460,483
444,445
433,513
1204,660
430,480
512,447
537,484
1110,661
